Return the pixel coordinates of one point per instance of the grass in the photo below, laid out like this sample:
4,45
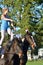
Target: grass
38,62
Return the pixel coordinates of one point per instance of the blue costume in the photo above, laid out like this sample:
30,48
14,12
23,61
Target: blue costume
4,25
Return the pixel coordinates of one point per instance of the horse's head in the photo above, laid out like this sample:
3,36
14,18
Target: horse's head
30,40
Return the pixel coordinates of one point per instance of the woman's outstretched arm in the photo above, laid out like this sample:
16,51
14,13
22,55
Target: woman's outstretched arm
4,18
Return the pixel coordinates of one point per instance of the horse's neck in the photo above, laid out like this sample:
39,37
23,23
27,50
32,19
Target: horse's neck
29,39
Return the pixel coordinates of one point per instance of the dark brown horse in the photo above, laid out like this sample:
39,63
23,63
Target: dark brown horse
18,49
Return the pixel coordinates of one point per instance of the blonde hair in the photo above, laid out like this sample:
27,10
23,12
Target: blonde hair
3,10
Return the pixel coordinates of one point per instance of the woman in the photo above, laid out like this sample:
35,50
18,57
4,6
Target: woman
5,26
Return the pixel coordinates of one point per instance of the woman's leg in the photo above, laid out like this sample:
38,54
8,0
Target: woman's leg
10,33
2,36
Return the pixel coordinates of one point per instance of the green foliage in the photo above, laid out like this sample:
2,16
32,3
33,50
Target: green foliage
22,7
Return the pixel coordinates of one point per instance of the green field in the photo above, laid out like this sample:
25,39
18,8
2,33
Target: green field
38,62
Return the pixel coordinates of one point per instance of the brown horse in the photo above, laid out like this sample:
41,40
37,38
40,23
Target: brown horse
18,48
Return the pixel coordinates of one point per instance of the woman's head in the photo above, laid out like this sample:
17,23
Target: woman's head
5,11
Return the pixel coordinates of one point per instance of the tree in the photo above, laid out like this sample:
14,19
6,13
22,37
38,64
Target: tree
21,11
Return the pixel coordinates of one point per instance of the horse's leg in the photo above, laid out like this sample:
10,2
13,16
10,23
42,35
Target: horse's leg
6,59
20,53
20,56
21,62
17,49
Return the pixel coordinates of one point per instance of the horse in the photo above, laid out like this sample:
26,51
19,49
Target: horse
18,47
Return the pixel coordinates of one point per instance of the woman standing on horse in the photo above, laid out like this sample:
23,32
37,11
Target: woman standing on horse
5,25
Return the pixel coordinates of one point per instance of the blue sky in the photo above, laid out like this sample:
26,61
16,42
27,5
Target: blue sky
2,6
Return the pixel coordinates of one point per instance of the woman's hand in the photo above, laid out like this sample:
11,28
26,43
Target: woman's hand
11,20
13,26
